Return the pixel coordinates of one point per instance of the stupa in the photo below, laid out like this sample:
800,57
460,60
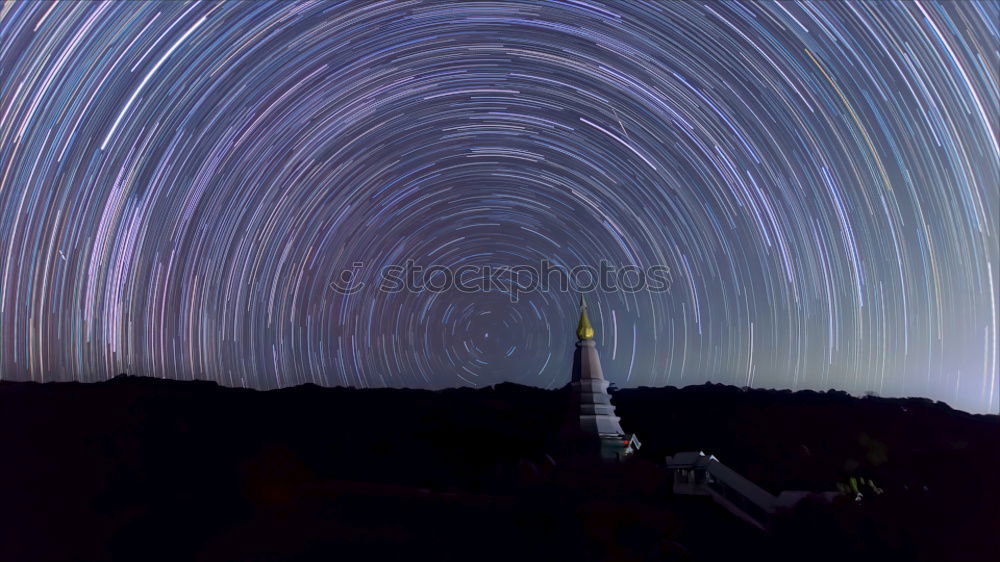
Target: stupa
592,429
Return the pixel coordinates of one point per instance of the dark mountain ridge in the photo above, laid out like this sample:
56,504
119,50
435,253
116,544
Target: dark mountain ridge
142,468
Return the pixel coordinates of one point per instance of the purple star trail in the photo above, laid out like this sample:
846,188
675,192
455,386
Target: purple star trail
183,182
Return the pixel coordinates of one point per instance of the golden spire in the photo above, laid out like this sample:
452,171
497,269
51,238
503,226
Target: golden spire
584,331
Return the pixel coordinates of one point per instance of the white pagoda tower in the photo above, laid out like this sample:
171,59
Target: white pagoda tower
592,427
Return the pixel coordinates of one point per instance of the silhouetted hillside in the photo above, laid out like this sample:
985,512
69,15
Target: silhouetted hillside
147,469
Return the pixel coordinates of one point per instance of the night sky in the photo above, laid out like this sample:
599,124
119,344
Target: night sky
182,182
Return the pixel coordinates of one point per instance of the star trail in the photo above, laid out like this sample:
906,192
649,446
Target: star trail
182,182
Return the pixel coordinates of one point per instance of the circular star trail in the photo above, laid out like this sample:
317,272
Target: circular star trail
182,183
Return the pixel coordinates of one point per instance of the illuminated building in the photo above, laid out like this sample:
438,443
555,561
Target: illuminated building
592,428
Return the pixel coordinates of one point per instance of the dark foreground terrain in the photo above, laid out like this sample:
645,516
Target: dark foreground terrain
145,469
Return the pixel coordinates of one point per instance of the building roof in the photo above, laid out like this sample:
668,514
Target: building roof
745,487
722,473
690,459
